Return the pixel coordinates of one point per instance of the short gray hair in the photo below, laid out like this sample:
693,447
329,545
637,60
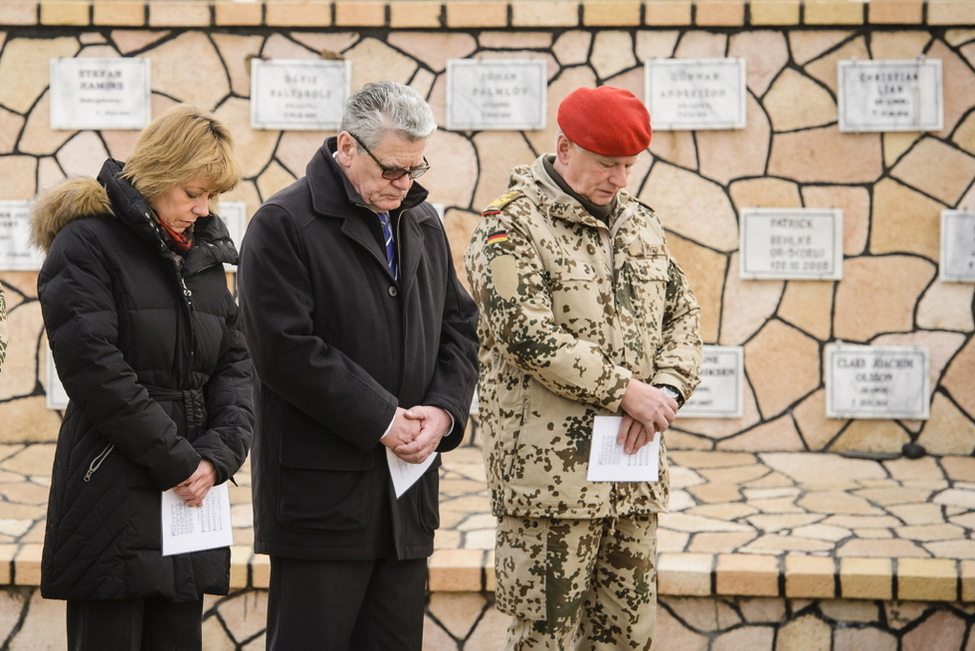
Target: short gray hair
382,106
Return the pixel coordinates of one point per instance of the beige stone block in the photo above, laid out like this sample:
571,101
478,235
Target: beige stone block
948,431
865,546
941,171
611,13
673,192
866,578
767,52
783,365
179,13
806,632
774,12
967,568
489,13
64,12
719,13
810,576
719,543
25,75
360,13
119,13
240,566
7,554
796,102
19,12
960,377
685,574
544,13
747,575
895,12
748,147
612,52
950,12
229,12
926,579
456,570
829,156
879,294
184,69
27,565
414,13
833,12
285,13
667,13
779,435
959,468
260,571
782,544
871,436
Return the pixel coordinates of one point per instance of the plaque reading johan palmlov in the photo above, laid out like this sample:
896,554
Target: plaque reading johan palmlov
498,94
16,253
691,94
957,246
100,93
720,393
299,94
791,243
877,382
891,95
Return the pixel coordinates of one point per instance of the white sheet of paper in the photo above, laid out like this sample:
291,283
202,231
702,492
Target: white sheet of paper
404,473
608,462
192,529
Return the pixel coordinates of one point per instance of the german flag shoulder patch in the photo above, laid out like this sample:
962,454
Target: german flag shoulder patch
497,237
498,204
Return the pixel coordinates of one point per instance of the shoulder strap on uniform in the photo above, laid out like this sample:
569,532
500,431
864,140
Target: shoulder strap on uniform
498,204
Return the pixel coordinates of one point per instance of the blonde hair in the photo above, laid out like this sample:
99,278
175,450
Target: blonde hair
182,144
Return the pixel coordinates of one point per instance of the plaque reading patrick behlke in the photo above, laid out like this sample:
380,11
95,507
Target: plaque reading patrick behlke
957,246
16,253
720,393
298,94
791,243
496,94
876,382
891,95
100,93
693,94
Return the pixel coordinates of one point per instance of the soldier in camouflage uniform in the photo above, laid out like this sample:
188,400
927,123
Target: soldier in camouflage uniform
583,312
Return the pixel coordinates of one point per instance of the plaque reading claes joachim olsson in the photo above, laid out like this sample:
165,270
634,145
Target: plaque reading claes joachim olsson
893,95
888,382
695,94
100,93
791,243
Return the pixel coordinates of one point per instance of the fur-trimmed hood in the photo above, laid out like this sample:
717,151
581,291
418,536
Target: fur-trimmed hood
60,206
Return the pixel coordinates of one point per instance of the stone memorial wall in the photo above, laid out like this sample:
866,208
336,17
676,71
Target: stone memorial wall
763,136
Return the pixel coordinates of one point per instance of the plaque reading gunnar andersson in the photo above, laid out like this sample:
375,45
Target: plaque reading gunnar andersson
791,243
695,94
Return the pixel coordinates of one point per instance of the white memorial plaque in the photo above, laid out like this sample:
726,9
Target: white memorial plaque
720,393
57,397
690,94
891,95
298,94
16,252
889,382
791,243
234,214
100,93
957,246
504,94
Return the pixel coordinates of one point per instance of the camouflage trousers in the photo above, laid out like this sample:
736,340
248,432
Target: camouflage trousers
583,584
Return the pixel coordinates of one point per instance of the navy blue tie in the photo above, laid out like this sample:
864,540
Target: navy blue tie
390,246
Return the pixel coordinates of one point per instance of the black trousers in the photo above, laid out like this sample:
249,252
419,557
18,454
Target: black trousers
374,605
135,625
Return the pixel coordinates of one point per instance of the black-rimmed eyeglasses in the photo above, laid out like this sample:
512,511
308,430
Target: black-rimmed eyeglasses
395,173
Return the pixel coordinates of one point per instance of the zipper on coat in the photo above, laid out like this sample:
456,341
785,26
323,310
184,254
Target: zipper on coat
97,461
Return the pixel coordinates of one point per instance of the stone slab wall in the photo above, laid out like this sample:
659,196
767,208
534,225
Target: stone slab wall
891,186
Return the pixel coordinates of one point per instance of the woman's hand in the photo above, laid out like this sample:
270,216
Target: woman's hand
193,490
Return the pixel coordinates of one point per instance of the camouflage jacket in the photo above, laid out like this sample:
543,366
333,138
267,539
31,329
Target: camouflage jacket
571,309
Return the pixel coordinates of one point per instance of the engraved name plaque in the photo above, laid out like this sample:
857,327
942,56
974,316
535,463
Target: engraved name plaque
889,382
496,94
694,94
720,393
100,93
891,95
791,243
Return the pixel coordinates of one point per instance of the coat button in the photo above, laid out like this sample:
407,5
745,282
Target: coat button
392,291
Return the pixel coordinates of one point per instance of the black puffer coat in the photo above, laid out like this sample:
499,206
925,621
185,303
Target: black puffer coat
148,349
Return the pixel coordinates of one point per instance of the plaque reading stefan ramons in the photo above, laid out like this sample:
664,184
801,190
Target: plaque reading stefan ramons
16,253
299,94
496,94
99,93
891,95
693,94
720,393
957,246
791,243
877,382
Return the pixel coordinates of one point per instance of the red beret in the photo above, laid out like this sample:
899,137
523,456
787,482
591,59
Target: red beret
605,120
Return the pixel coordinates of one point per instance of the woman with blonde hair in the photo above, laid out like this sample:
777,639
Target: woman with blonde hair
145,340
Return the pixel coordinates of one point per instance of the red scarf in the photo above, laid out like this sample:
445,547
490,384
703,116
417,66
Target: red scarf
181,241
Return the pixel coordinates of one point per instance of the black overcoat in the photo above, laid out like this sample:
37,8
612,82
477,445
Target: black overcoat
157,372
337,346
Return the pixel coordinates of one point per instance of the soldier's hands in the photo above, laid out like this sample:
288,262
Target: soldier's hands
649,407
434,423
403,431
